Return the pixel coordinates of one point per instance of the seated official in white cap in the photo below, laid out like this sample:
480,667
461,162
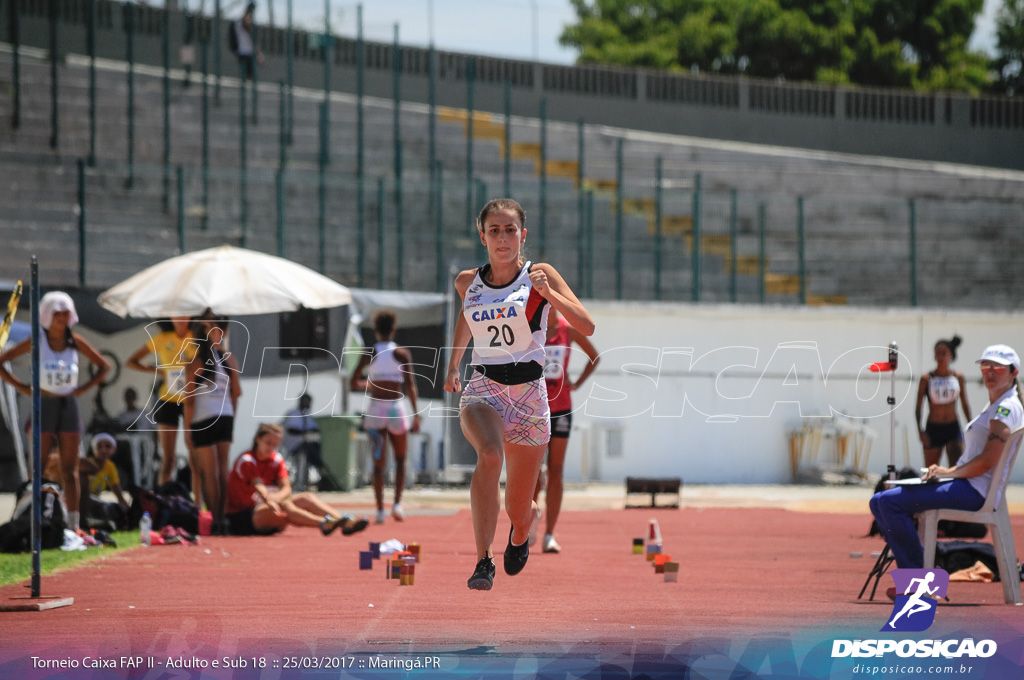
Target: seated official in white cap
986,435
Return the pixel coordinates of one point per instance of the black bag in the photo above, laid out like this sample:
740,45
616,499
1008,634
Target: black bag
170,505
956,555
16,535
106,516
952,529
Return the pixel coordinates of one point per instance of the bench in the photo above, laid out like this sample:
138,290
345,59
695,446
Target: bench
653,486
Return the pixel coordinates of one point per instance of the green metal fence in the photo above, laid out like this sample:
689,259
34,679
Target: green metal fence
750,251
383,192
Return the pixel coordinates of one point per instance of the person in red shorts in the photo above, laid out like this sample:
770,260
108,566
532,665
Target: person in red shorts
560,338
260,500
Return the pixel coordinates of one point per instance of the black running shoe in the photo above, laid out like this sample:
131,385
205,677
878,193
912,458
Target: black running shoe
331,523
483,577
354,526
516,555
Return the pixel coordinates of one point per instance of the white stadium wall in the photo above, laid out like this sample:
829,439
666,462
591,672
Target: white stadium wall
720,412
711,393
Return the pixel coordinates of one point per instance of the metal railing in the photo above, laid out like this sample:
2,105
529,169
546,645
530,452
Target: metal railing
647,240
638,84
619,223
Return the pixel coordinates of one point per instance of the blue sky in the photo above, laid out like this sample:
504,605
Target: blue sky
495,27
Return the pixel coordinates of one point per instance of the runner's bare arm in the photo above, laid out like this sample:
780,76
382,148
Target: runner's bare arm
460,339
97,359
593,357
135,361
963,397
13,353
549,283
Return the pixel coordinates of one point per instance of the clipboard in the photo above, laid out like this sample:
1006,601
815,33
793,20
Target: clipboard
917,481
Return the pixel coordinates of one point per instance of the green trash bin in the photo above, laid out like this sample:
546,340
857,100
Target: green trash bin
339,471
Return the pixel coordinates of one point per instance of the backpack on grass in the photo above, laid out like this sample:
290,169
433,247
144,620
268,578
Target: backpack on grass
16,535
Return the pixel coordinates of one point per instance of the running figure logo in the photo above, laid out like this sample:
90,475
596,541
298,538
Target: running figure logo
914,609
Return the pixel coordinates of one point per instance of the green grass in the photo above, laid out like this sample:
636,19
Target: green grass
18,567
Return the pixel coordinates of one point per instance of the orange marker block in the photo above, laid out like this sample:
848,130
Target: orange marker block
408,575
659,563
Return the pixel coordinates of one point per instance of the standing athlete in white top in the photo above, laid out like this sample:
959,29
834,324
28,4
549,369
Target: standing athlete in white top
387,372
61,419
504,410
942,387
212,391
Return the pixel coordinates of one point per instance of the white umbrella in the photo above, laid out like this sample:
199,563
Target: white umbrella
228,280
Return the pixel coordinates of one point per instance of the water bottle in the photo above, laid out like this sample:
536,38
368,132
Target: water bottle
145,526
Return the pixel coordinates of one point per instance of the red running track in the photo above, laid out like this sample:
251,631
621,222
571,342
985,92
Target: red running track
746,573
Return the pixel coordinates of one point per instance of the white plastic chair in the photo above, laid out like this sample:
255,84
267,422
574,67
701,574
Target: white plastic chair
994,514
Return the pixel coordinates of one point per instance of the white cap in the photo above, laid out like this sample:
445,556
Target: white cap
102,437
57,301
1000,354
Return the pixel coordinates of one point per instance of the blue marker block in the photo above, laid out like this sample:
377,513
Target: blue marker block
375,550
365,559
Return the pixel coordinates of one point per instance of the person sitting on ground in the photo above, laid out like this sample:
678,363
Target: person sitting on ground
98,473
260,500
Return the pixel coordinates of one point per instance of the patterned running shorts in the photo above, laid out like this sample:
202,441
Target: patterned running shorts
386,414
523,408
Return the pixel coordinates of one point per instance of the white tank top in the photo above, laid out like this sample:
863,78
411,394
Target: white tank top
385,365
943,389
213,401
509,322
58,370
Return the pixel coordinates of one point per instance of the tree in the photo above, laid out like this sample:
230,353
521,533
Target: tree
904,43
1009,64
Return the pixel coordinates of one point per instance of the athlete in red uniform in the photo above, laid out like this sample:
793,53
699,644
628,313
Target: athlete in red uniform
560,388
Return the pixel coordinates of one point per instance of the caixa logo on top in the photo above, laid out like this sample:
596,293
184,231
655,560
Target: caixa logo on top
917,594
